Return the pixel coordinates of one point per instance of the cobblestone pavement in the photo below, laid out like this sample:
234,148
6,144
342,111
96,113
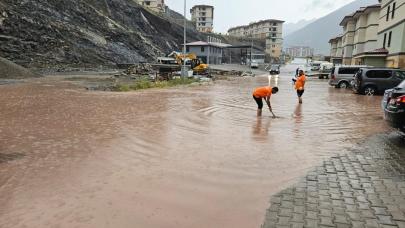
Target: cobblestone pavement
364,188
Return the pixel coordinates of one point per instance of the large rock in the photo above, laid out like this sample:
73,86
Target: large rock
10,70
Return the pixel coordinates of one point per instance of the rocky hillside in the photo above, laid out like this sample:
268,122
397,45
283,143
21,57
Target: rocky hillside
89,33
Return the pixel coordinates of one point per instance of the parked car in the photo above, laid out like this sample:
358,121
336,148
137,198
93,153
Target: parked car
393,105
316,66
275,69
370,81
254,64
341,76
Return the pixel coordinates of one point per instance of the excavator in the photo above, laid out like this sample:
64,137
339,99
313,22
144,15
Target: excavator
191,59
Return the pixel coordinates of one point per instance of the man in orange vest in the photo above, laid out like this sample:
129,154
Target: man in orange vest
264,93
300,85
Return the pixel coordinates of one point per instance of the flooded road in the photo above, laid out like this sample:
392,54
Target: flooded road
183,157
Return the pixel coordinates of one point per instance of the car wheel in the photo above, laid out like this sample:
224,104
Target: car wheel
343,85
369,91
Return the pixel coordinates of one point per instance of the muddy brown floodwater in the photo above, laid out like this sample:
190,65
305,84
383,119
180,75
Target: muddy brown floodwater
183,157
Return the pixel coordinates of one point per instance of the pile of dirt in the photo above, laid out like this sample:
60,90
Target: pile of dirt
85,33
10,70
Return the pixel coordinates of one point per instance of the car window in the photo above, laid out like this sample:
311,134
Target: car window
379,74
400,74
402,85
348,70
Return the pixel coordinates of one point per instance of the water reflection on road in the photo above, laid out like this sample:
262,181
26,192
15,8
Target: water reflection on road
184,157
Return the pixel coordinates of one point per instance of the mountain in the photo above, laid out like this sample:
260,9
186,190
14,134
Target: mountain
45,33
318,33
289,28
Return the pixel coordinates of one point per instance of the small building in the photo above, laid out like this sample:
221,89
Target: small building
203,17
155,5
208,52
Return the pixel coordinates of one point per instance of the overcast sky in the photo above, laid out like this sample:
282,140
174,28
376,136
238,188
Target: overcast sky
229,13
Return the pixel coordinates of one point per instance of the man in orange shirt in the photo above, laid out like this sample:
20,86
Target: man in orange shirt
264,92
300,85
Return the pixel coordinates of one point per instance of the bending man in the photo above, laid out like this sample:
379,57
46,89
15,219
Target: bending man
264,93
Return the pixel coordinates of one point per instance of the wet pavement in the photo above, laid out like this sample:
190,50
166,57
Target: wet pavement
182,157
363,188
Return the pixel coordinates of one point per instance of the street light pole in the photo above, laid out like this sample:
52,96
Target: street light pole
184,70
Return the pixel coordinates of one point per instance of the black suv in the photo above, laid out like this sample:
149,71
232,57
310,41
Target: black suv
370,81
274,69
393,105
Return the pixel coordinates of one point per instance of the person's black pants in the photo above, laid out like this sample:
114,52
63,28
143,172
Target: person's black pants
259,102
300,93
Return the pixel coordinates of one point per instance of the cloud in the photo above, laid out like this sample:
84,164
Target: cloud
320,4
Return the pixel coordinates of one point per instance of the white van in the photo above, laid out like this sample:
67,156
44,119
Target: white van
342,76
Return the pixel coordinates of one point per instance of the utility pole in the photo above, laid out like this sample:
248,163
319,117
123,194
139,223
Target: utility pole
184,72
209,50
251,52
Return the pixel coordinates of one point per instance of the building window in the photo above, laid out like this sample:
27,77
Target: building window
274,40
274,24
385,39
274,29
202,49
389,39
273,35
388,13
393,9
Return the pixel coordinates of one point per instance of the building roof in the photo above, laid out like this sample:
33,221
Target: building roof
335,38
207,6
366,10
213,44
377,52
358,12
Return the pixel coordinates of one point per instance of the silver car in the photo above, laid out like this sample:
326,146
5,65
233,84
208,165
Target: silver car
342,76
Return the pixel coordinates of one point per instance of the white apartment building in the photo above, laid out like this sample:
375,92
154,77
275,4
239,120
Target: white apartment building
155,5
271,30
299,51
203,16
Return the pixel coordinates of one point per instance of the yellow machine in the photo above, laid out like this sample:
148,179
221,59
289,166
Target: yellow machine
191,59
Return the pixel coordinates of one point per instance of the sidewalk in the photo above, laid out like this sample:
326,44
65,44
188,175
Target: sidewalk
364,188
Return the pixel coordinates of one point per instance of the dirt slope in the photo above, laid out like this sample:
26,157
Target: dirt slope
10,70
45,33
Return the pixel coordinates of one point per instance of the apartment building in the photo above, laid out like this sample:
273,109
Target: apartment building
365,37
391,32
155,5
298,51
203,17
270,30
349,26
378,36
336,50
